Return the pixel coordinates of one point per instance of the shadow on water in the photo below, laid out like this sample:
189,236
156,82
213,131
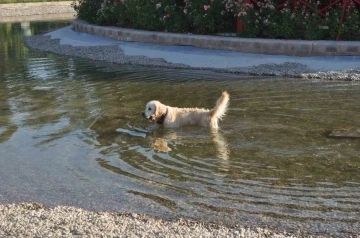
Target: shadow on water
71,133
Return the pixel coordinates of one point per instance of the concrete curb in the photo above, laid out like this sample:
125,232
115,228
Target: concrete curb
246,45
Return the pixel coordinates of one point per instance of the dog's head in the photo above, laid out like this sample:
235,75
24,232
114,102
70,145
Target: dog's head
154,110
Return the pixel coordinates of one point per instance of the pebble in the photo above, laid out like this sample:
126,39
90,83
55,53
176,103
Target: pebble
36,220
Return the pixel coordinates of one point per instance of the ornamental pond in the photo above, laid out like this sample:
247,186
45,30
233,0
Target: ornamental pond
71,133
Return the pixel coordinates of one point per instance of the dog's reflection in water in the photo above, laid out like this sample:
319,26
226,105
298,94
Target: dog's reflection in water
161,144
221,144
162,139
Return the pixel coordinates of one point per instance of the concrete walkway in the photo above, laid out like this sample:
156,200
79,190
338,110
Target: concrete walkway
203,58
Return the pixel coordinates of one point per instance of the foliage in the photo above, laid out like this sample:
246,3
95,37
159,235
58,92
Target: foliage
112,12
286,25
208,17
87,9
174,18
198,16
265,19
350,30
144,14
164,15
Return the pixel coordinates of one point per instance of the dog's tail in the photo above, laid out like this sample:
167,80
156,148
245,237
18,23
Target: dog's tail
221,105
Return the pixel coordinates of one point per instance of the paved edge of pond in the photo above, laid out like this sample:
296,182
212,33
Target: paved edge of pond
246,45
36,220
67,42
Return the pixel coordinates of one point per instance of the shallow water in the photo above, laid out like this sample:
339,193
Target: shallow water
71,133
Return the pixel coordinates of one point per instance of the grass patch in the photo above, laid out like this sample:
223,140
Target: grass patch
25,1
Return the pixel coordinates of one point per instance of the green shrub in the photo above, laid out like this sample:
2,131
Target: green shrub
87,9
143,14
350,29
113,13
208,17
158,15
284,24
174,19
265,19
322,28
261,19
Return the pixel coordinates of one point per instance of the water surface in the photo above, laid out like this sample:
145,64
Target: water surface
71,133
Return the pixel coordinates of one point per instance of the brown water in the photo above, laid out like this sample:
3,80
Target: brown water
71,133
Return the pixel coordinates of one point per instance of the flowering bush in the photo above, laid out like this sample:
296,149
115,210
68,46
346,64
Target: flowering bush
198,16
261,19
266,19
153,14
208,17
112,12
144,14
350,29
319,28
284,23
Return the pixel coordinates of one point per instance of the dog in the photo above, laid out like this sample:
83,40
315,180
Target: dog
174,117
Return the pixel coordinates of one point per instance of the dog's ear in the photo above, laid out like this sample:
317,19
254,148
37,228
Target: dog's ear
160,110
155,109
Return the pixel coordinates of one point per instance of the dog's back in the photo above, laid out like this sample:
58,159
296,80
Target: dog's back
186,116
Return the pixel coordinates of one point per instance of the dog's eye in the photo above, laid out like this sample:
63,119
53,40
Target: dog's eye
149,108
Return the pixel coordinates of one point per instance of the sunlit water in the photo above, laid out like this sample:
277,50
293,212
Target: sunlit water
71,133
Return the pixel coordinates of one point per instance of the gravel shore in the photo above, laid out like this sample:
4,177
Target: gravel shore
35,220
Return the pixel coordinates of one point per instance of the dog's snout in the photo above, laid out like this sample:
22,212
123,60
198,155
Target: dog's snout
143,114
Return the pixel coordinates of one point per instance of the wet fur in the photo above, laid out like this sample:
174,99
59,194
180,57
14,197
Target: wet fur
177,117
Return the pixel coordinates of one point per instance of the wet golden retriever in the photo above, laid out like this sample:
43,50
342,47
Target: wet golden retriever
173,117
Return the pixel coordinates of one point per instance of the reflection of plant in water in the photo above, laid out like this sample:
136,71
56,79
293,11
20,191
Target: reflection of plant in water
12,55
12,35
11,45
